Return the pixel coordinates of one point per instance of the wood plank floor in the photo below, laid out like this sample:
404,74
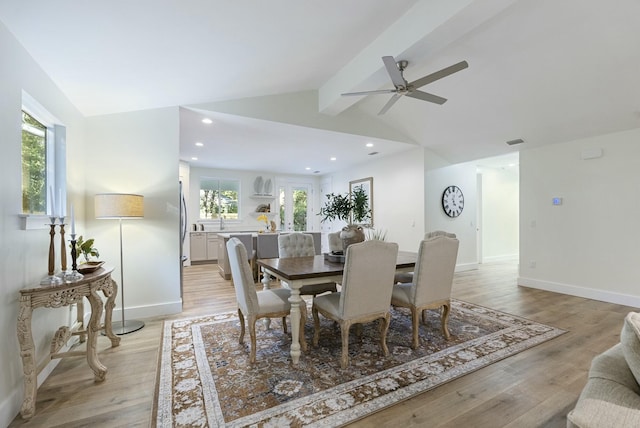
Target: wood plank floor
535,388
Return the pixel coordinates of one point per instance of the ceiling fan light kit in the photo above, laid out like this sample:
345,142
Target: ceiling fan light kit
395,69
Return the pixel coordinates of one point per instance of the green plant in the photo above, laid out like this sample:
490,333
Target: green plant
352,207
378,235
86,248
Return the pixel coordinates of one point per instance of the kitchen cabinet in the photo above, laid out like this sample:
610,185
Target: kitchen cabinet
198,246
204,247
223,261
212,246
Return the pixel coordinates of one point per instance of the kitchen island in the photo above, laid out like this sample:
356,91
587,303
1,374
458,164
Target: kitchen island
223,260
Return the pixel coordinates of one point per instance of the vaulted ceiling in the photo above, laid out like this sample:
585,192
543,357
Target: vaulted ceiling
270,74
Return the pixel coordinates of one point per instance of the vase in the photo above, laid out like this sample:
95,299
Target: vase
351,234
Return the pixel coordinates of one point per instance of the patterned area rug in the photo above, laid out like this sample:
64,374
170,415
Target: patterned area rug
205,378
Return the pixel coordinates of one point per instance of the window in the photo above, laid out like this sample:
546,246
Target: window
43,162
34,166
219,198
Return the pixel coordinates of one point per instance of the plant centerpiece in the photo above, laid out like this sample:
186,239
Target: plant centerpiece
352,208
86,248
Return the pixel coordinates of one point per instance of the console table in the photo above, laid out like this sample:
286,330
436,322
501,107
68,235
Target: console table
56,297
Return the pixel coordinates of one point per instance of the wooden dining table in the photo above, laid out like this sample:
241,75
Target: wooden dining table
296,272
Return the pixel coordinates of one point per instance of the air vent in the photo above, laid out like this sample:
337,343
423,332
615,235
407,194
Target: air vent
514,142
373,153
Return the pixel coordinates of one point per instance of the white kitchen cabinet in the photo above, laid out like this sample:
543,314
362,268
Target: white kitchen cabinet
204,247
198,246
212,246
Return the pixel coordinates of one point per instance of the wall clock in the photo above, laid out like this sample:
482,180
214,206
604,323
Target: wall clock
452,201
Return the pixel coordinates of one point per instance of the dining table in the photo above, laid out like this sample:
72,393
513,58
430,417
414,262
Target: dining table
296,272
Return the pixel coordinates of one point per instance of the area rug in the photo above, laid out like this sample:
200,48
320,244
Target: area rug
205,378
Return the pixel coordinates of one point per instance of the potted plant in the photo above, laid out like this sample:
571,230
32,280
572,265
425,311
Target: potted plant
352,208
86,248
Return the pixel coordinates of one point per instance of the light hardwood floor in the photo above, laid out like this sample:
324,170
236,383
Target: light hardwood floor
535,388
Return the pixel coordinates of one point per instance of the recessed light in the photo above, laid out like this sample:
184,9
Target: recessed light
199,144
308,168
333,158
207,121
194,158
369,144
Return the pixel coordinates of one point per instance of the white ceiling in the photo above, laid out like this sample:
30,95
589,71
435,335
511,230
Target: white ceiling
545,71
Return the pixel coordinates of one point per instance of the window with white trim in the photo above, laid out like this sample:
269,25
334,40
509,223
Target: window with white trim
44,190
219,198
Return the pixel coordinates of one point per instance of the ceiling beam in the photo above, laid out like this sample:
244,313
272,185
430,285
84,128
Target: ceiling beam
420,34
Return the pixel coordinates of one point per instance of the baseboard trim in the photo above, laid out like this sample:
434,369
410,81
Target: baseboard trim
149,311
466,266
587,293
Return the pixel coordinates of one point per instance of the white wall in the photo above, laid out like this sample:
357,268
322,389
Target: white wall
464,226
24,253
588,246
137,152
499,213
398,186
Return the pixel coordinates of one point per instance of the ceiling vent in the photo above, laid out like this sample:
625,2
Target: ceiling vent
373,153
514,142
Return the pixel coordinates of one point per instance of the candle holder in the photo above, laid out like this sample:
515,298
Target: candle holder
74,275
51,279
63,252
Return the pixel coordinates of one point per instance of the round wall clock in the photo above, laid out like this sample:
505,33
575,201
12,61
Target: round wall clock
452,201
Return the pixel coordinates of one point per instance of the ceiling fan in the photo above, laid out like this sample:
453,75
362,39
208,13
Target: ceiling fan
402,87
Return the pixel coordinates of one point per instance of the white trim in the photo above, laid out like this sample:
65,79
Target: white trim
34,222
466,266
587,293
148,311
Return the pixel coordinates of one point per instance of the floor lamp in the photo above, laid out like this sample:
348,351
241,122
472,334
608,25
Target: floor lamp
121,206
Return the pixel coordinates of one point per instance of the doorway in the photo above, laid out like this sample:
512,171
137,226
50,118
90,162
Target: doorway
294,206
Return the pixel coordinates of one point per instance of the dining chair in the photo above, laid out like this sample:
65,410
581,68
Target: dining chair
253,304
247,241
335,243
266,247
433,279
302,245
365,293
406,277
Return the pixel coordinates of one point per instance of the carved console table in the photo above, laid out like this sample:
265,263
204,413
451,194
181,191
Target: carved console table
56,297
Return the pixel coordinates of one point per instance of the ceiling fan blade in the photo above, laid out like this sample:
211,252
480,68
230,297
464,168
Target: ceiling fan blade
426,97
381,91
394,72
389,103
439,74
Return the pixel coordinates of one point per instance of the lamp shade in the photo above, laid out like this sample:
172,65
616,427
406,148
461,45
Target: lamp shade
119,205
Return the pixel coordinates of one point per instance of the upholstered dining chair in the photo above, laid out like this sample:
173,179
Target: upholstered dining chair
405,277
335,243
431,288
302,245
253,304
365,293
247,241
266,247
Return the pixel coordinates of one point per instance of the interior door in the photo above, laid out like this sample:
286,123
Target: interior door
294,207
